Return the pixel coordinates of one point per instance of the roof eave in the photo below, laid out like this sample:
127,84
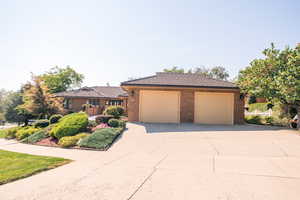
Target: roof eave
184,86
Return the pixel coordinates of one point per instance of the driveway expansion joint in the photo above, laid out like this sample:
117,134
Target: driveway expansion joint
147,178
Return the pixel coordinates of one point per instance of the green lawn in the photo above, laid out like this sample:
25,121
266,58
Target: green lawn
15,166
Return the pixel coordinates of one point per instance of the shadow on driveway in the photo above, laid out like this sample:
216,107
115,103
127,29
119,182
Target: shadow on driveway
190,127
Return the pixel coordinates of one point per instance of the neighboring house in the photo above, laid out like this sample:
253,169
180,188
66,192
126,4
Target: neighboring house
99,97
176,97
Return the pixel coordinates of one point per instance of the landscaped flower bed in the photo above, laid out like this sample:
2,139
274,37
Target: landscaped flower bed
71,131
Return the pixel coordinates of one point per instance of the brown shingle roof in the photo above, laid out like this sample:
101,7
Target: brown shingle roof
180,80
94,92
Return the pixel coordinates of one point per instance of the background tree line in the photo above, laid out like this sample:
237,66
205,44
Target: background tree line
217,72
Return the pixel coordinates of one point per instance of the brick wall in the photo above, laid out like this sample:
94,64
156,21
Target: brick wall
187,106
133,105
238,109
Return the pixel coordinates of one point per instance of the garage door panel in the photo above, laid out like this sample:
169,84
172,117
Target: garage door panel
159,106
213,108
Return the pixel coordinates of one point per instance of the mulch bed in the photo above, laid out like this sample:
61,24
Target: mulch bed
48,142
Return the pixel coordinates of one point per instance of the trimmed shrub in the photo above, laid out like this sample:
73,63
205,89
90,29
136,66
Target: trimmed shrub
100,139
70,125
113,123
116,111
117,123
92,123
36,137
55,118
253,119
103,118
69,141
281,121
42,123
269,120
122,124
10,133
25,132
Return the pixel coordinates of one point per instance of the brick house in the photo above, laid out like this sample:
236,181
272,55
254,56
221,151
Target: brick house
177,97
98,97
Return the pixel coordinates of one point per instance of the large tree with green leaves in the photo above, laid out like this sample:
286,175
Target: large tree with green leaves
12,101
276,76
38,100
61,79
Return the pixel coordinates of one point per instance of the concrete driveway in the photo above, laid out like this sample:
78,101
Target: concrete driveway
173,162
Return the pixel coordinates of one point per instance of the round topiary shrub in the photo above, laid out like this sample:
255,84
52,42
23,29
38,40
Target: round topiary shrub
116,111
42,123
70,125
113,123
122,124
55,118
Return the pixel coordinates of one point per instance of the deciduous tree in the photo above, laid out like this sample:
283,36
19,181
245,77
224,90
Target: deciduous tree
276,76
38,100
61,79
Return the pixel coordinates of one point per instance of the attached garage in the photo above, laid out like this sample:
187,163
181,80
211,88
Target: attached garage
159,106
213,108
179,97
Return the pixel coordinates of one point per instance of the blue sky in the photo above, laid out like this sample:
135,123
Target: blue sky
110,41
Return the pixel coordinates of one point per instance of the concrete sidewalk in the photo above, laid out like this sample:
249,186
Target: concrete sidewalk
168,162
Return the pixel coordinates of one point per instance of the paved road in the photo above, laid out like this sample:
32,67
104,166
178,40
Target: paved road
171,162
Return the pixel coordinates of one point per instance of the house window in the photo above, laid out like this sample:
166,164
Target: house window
94,102
114,102
67,103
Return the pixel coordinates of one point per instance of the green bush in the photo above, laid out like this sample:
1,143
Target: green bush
36,137
70,125
253,119
113,123
69,141
92,123
281,121
55,118
269,120
103,118
116,111
25,132
117,123
42,123
122,124
101,138
258,106
10,133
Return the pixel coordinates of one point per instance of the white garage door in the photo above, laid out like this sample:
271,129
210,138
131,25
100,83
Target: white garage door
159,106
213,108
